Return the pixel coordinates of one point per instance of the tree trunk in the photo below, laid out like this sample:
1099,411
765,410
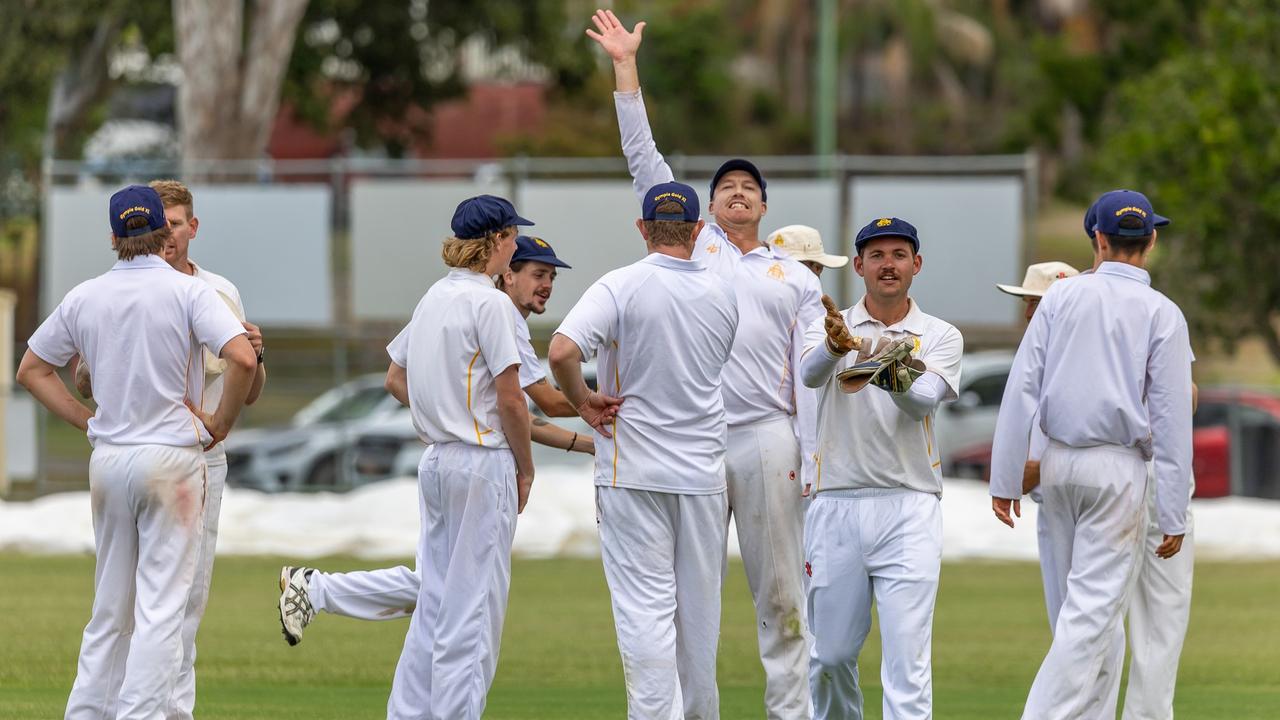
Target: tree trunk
230,94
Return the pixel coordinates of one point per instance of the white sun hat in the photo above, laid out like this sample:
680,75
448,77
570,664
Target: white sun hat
802,242
1038,279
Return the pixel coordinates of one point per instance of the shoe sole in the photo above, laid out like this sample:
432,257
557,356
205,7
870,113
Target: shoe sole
284,585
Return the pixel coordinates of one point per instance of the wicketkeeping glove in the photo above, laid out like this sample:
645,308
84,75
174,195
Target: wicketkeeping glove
891,368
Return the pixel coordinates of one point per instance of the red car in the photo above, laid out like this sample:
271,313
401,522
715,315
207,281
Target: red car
1249,466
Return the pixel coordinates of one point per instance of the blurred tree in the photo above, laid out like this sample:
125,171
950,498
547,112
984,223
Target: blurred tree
1198,133
395,60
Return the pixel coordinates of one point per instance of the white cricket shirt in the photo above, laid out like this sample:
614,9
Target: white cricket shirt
662,328
139,326
1106,360
530,366
864,439
209,377
460,338
777,298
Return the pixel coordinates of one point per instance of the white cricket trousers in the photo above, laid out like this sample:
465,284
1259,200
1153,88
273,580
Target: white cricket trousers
468,505
182,704
664,557
881,544
1092,499
1159,611
762,467
382,594
147,522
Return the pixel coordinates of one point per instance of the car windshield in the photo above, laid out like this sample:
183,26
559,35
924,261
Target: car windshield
354,406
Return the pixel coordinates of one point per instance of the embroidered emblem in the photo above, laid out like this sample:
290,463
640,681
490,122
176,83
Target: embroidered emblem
883,222
775,272
777,240
713,249
540,242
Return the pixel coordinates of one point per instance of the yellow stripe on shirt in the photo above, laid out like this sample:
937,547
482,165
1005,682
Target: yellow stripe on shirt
474,419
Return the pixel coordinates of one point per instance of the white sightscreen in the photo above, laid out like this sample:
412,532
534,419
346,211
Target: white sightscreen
272,241
397,227
971,237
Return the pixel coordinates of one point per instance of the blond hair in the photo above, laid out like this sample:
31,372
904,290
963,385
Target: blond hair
677,233
148,243
173,193
473,253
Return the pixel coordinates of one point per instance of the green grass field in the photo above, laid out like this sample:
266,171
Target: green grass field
558,654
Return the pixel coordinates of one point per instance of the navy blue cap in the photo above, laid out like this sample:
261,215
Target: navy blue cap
136,201
1105,214
662,192
744,165
887,227
482,214
536,249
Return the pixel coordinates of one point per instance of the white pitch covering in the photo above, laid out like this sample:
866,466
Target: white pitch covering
380,521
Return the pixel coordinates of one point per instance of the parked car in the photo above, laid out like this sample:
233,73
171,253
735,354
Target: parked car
1235,445
970,421
390,447
311,451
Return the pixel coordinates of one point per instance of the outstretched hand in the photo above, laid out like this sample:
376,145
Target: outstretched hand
839,340
613,37
598,410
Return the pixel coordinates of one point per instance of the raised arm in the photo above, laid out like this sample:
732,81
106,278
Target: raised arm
646,164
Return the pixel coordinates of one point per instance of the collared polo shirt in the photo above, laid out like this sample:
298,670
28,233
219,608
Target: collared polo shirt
1106,360
139,327
460,339
530,366
662,328
864,439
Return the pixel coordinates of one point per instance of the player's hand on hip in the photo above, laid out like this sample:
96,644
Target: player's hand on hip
1002,508
1030,476
254,333
598,410
84,383
839,340
1170,547
524,483
216,432
613,37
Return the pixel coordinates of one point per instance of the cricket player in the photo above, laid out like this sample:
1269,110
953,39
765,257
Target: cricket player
1106,366
179,210
392,593
139,329
460,373
772,418
662,328
804,244
874,530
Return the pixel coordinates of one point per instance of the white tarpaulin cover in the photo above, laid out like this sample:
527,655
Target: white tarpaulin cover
380,521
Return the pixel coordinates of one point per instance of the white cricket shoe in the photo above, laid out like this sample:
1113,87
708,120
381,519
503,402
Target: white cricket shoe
296,612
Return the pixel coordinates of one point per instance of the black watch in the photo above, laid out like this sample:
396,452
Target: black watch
262,352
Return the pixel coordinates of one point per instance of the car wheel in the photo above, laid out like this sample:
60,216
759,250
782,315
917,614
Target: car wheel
324,474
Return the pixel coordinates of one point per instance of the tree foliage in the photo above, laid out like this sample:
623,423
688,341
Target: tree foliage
1198,133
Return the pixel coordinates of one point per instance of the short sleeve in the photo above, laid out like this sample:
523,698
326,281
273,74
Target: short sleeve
593,321
943,359
530,366
53,341
398,348
212,322
496,333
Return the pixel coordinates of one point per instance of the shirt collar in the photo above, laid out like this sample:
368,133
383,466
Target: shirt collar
466,275
913,323
1124,270
673,263
142,262
723,237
